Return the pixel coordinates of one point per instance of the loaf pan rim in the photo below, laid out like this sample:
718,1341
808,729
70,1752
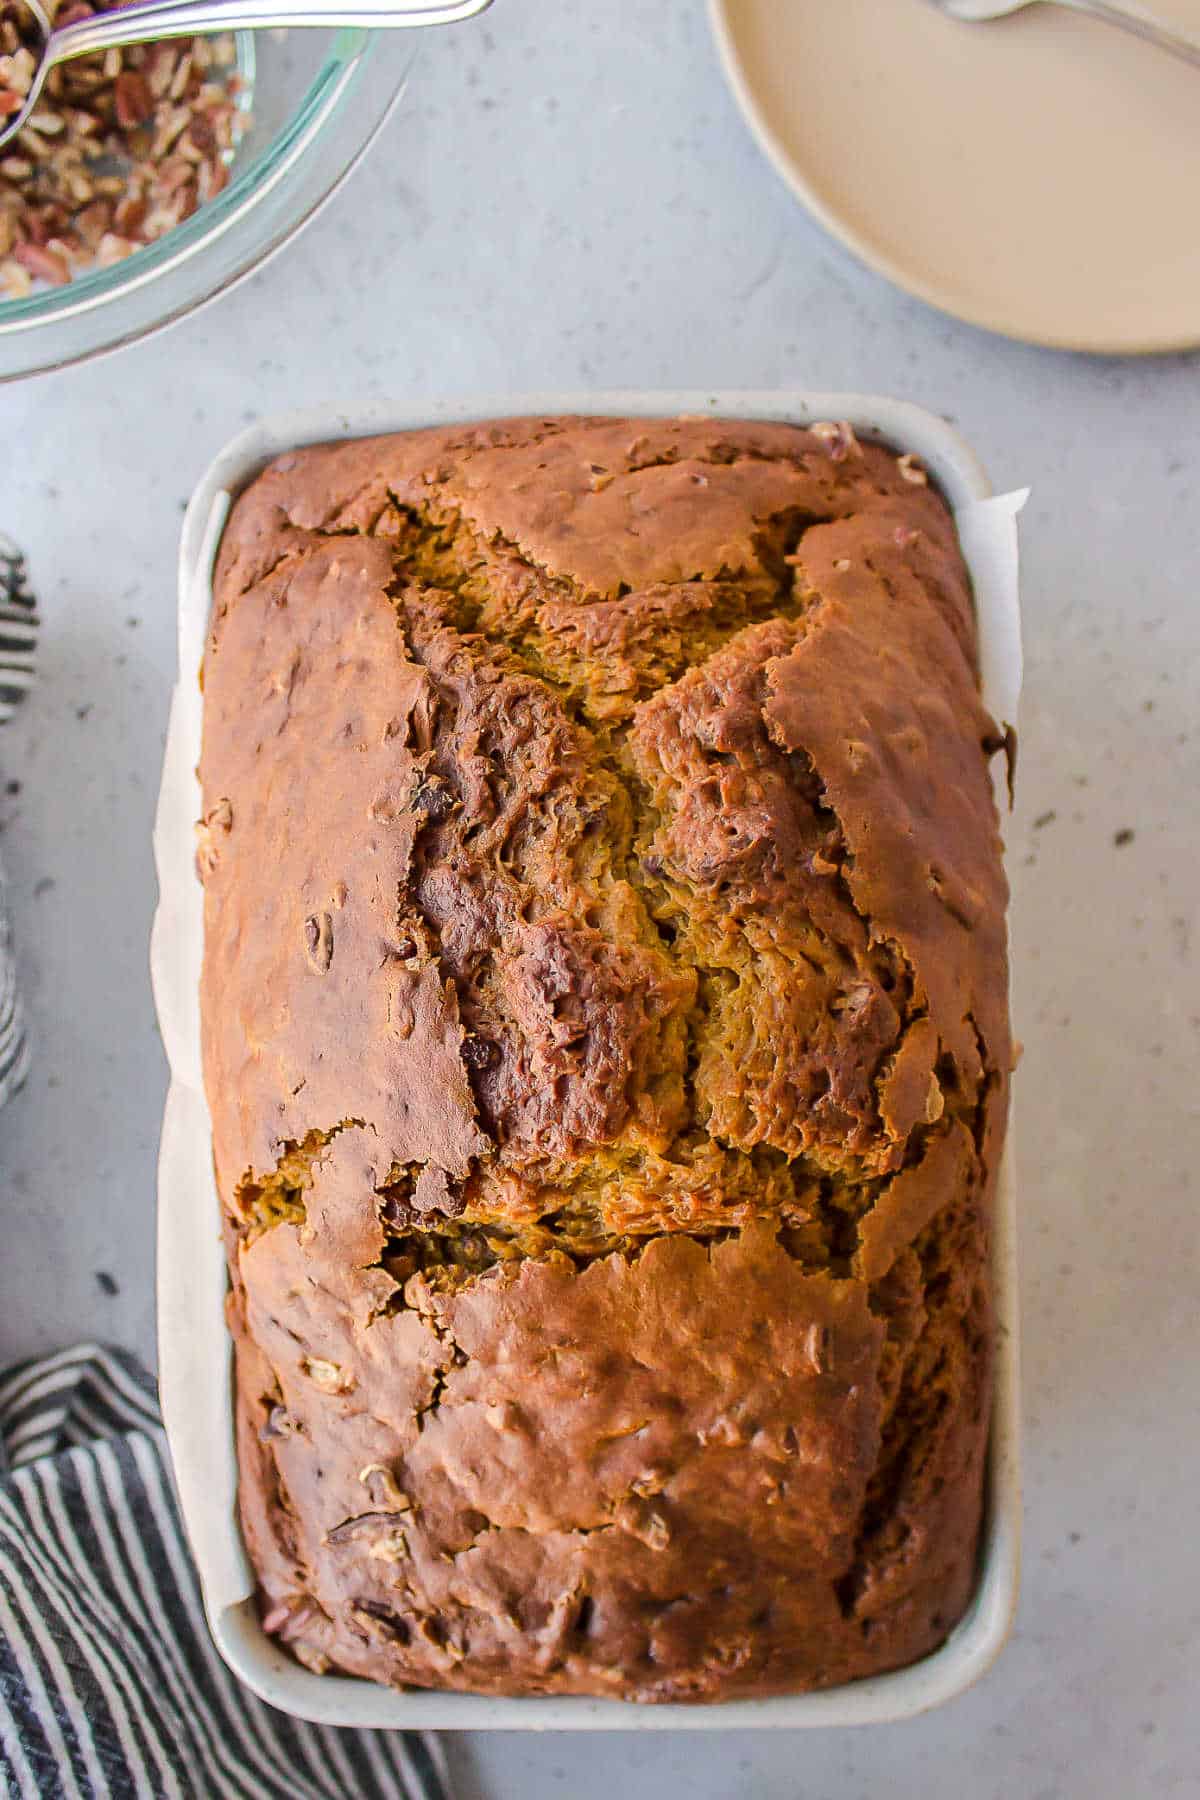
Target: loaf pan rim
195,1355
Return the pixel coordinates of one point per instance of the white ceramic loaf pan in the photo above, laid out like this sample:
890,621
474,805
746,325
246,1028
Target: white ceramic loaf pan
194,1349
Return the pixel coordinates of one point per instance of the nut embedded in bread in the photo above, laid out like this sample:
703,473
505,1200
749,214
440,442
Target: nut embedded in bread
606,1041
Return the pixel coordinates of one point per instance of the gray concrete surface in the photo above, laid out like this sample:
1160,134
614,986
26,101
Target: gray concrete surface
569,198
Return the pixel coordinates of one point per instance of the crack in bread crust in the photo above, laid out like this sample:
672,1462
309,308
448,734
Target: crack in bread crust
648,947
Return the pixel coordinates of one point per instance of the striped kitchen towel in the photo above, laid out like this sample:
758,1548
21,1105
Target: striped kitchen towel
18,648
14,1046
18,628
109,1682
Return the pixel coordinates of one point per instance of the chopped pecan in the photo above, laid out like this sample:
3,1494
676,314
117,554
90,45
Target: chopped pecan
318,941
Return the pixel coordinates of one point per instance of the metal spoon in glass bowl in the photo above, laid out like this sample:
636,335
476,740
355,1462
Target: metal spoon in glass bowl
147,21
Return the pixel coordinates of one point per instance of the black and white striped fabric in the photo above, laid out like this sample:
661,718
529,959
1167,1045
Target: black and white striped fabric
14,1046
18,628
18,652
109,1682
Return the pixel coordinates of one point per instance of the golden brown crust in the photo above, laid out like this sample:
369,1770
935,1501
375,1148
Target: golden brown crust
606,1038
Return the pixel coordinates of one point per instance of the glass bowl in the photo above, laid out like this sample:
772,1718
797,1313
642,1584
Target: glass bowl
315,100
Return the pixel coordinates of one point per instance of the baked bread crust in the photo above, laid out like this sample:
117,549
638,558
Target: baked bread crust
606,1039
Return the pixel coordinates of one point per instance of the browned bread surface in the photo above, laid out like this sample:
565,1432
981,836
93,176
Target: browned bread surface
606,1039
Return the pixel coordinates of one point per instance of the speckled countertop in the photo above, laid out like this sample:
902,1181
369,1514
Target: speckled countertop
569,199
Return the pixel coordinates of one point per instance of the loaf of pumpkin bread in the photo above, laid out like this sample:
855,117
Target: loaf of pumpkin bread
606,1041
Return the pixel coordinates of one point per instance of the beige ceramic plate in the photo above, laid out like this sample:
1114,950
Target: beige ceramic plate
1040,176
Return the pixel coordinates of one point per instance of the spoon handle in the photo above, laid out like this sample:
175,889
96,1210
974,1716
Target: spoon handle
155,19
1135,19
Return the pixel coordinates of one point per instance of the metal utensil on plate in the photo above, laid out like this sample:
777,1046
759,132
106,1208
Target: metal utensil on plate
149,20
1123,13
